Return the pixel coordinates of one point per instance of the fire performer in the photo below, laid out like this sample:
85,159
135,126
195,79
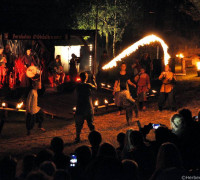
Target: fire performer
143,86
84,108
3,62
34,113
121,88
167,89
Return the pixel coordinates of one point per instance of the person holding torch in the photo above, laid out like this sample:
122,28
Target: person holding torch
167,89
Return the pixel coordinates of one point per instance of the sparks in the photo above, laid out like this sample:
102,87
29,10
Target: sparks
145,41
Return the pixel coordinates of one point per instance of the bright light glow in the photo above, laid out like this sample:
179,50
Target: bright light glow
144,41
66,52
90,57
74,109
108,86
19,105
96,103
103,85
198,66
105,101
3,104
154,91
180,55
78,79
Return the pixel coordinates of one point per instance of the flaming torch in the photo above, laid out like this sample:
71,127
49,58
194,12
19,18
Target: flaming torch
198,69
20,105
144,41
96,104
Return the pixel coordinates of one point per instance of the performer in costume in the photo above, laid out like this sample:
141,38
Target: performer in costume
167,89
143,86
3,62
121,88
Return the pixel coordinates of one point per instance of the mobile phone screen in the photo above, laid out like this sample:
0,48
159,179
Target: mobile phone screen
73,160
155,126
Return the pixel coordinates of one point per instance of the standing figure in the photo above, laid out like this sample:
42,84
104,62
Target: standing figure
72,68
167,89
121,90
146,63
84,108
3,62
34,113
143,86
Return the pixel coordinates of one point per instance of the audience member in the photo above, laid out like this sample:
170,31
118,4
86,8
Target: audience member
142,154
95,141
121,140
107,150
130,170
28,165
60,159
168,158
44,155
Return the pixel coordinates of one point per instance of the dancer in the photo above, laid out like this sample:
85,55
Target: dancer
121,89
84,108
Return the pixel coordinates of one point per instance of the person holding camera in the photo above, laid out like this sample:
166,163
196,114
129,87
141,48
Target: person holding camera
84,108
167,89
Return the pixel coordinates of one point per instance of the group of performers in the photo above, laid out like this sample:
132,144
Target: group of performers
13,70
141,81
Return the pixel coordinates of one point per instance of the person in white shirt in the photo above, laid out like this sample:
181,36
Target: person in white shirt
34,112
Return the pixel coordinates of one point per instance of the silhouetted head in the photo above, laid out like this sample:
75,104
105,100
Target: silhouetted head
168,156
84,77
29,163
130,169
57,145
84,155
187,115
136,138
95,138
162,134
44,155
121,138
107,150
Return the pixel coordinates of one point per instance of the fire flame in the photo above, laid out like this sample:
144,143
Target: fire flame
106,101
180,55
3,104
19,105
96,103
198,66
145,41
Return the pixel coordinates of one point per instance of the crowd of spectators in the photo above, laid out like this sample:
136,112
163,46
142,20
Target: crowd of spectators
174,154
